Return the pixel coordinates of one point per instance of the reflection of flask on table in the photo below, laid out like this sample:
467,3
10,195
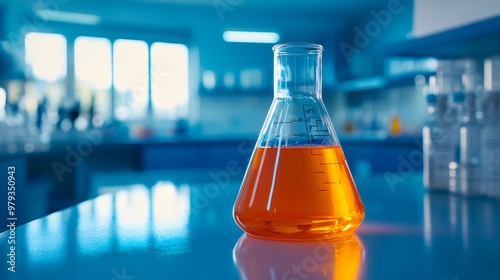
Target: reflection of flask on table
265,259
298,185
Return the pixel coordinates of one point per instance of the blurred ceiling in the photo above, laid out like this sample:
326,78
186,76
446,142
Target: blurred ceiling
299,15
343,8
331,10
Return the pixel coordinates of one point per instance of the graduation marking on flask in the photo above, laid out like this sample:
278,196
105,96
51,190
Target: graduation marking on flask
313,128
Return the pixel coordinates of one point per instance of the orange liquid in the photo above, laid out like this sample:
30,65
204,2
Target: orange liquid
313,195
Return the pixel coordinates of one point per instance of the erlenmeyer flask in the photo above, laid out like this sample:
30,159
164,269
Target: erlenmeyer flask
297,185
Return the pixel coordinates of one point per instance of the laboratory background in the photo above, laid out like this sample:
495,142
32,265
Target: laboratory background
127,126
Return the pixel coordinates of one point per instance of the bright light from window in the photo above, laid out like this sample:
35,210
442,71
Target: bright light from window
123,65
251,37
93,62
132,218
51,228
3,99
169,80
46,56
131,78
93,75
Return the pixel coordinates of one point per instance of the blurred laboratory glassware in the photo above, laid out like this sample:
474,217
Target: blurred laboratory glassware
470,132
490,140
251,79
229,81
449,93
437,141
395,127
454,116
3,102
445,81
313,260
209,80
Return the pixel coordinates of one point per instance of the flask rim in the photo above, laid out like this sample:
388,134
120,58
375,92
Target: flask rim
297,48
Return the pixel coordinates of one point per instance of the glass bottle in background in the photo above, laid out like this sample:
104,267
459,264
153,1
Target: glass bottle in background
490,140
446,91
395,128
444,76
454,116
445,79
470,133
437,141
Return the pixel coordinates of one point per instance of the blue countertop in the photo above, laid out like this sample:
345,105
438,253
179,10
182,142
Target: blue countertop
170,227
19,141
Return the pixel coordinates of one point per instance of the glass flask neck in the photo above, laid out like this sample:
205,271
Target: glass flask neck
297,70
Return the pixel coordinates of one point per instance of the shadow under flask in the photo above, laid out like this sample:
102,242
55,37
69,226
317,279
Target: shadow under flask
297,185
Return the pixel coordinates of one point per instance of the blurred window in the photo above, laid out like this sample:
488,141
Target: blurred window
131,79
169,80
133,70
93,76
45,56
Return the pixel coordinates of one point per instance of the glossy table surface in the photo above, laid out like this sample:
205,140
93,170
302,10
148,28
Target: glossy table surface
179,225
